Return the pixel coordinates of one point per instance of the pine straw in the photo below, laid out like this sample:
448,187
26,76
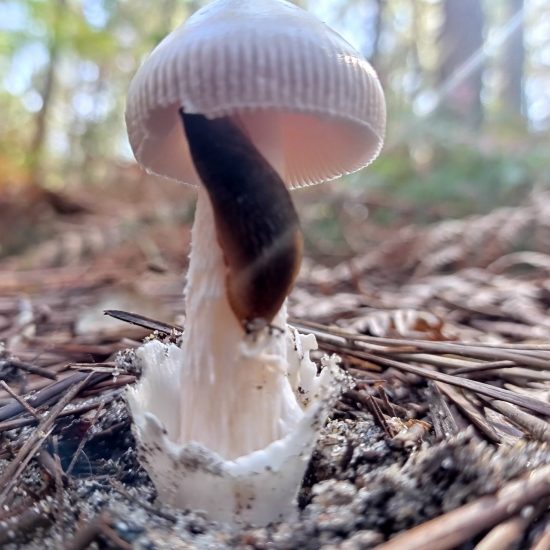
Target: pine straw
383,368
439,356
505,238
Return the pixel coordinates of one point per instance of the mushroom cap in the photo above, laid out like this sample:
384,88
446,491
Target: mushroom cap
275,68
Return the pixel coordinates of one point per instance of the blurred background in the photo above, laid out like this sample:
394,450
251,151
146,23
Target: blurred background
468,91
445,237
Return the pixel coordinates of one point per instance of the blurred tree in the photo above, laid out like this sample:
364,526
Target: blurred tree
377,31
462,64
53,40
513,61
66,66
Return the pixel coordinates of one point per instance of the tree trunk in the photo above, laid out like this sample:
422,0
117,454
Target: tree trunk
41,122
513,61
378,22
461,66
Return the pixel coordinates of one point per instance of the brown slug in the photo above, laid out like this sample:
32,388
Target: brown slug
256,224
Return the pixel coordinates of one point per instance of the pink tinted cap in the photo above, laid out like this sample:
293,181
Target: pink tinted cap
271,65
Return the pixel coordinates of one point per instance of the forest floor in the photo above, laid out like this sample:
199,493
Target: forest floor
442,443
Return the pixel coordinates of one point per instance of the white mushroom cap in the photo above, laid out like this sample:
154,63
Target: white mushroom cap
271,65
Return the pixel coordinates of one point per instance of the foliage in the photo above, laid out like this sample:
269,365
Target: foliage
68,63
437,162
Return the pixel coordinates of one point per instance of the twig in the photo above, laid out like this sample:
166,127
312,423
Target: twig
94,367
365,399
460,525
482,367
32,369
80,409
470,412
112,536
527,402
111,430
31,410
50,392
533,359
379,416
390,407
17,466
543,543
59,487
115,382
537,428
443,420
504,536
142,321
87,533
29,448
100,526
459,366
519,373
84,439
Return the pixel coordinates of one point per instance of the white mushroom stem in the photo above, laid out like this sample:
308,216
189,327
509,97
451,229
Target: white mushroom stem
227,423
236,397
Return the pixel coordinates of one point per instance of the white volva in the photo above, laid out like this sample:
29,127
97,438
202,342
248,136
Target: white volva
227,423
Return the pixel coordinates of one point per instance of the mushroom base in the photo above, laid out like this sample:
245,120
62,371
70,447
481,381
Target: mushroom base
257,488
227,423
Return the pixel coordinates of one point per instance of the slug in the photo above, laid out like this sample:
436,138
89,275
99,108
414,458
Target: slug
257,226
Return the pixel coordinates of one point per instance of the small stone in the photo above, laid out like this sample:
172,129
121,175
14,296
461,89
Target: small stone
337,519
333,493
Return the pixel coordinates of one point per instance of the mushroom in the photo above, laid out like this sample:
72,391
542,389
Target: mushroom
246,100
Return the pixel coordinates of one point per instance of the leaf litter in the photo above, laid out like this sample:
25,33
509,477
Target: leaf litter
443,443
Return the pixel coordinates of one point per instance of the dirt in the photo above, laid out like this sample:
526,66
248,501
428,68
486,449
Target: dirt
361,488
364,484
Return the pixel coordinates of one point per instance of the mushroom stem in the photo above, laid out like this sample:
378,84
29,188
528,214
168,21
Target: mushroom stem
242,380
